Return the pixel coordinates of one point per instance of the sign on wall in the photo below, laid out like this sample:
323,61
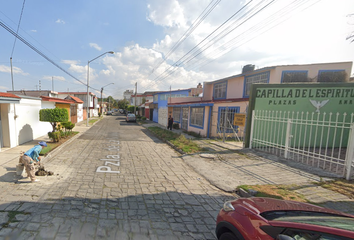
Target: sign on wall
239,119
311,98
314,100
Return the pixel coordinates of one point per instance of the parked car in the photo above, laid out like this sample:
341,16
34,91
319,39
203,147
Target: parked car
131,117
109,113
269,219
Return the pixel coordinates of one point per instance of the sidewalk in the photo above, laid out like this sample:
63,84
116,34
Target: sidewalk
226,169
9,157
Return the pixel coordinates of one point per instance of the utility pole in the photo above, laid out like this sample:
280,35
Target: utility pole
12,75
136,87
101,100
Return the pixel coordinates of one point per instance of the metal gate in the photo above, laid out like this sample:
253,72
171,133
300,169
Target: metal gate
184,125
322,140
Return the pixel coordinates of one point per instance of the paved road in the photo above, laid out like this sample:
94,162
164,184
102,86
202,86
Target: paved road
115,181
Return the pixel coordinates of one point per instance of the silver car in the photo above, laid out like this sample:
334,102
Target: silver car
131,117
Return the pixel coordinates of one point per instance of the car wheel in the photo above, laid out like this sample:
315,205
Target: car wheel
228,236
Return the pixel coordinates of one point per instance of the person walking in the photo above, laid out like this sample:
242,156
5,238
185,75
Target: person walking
30,157
170,122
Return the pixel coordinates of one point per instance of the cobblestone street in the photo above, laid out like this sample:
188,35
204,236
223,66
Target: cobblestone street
115,181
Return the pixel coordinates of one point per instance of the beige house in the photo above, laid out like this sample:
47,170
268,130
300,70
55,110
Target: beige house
213,114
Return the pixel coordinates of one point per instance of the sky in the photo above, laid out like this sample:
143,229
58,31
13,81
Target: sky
161,44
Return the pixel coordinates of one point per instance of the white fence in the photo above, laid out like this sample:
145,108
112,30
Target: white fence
322,140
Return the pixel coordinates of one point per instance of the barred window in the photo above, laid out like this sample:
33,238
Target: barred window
176,114
220,90
294,76
229,115
331,76
197,116
259,78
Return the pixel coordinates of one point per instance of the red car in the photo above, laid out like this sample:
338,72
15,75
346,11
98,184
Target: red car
269,219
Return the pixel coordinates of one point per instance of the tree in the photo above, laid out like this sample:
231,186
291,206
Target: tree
123,104
54,116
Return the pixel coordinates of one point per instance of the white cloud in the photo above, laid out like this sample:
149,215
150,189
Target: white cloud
15,70
70,61
60,21
135,63
95,46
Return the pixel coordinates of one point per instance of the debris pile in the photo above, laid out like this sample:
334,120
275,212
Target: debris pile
42,172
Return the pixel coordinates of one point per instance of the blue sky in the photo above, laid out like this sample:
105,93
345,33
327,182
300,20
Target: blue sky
142,32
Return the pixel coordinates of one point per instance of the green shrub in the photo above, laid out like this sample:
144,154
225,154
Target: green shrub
143,118
99,114
54,116
68,125
55,136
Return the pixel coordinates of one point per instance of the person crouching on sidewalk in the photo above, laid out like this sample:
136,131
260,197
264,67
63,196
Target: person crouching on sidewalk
30,157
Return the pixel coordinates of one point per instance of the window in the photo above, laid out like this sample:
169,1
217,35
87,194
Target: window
220,90
167,96
227,125
259,78
294,76
197,116
156,98
331,76
176,114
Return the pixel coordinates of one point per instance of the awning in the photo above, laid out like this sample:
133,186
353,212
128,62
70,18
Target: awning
192,105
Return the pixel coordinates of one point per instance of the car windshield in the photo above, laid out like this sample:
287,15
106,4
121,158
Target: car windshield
131,115
320,219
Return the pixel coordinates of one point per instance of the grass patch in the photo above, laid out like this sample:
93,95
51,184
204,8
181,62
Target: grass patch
52,145
180,141
93,120
194,134
341,186
283,192
186,145
164,134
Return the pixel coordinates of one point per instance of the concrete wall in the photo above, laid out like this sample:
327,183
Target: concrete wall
313,70
28,126
5,130
80,112
202,131
214,121
163,116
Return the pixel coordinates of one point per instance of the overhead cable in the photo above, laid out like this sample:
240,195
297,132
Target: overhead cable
2,24
18,26
195,24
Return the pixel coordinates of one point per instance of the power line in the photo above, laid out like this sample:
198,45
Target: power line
174,66
2,24
18,26
258,29
195,24
177,62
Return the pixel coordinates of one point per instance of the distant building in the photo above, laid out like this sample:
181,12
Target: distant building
127,95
